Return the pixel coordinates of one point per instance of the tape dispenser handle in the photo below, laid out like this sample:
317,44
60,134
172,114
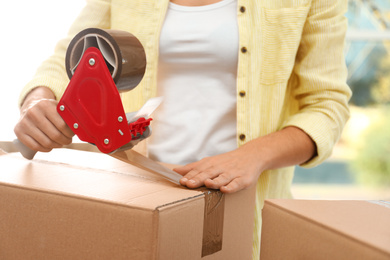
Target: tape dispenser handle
24,150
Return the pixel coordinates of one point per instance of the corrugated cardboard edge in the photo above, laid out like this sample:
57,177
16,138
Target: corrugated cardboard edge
180,237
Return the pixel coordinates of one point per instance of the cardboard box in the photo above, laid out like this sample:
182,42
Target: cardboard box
81,205
308,229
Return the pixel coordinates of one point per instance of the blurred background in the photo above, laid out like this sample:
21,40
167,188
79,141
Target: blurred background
360,165
29,32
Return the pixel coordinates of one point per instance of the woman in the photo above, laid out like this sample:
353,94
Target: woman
251,88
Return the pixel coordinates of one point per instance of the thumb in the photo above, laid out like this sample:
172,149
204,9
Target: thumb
183,170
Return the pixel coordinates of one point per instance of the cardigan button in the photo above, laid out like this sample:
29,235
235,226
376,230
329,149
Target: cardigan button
242,137
244,49
242,9
242,93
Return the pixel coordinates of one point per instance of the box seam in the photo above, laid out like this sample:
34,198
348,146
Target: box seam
161,207
83,168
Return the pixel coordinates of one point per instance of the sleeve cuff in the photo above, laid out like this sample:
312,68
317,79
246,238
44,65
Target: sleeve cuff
57,86
325,138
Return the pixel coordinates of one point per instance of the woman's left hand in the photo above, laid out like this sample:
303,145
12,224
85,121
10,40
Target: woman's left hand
239,169
229,172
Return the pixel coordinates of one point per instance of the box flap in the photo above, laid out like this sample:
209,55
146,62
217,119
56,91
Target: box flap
93,175
365,222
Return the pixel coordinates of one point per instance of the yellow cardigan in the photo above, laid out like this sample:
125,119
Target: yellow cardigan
291,71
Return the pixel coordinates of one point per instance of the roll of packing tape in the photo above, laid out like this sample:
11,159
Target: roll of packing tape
123,52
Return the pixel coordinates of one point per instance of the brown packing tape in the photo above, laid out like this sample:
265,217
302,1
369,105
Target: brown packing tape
124,54
214,211
140,161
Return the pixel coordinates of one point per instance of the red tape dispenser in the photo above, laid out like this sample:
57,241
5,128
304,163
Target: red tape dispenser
100,65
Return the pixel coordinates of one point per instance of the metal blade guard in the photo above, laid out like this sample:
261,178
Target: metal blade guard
91,105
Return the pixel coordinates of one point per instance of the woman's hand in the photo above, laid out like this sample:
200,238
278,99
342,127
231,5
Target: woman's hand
239,169
228,172
40,127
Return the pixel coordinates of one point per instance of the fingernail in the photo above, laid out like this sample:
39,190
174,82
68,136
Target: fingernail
192,181
184,180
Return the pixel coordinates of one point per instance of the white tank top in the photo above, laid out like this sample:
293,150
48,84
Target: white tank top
197,79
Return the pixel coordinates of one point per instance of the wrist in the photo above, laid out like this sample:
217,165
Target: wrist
258,153
287,147
36,94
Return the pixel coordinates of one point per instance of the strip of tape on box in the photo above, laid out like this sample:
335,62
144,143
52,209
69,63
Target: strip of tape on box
214,211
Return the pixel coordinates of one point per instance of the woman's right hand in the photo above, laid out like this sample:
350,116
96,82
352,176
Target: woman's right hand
40,127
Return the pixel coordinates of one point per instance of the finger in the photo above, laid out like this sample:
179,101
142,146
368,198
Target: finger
234,186
33,144
60,124
219,181
43,120
43,139
188,181
54,134
200,165
47,135
34,136
188,171
62,134
203,176
30,141
183,170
